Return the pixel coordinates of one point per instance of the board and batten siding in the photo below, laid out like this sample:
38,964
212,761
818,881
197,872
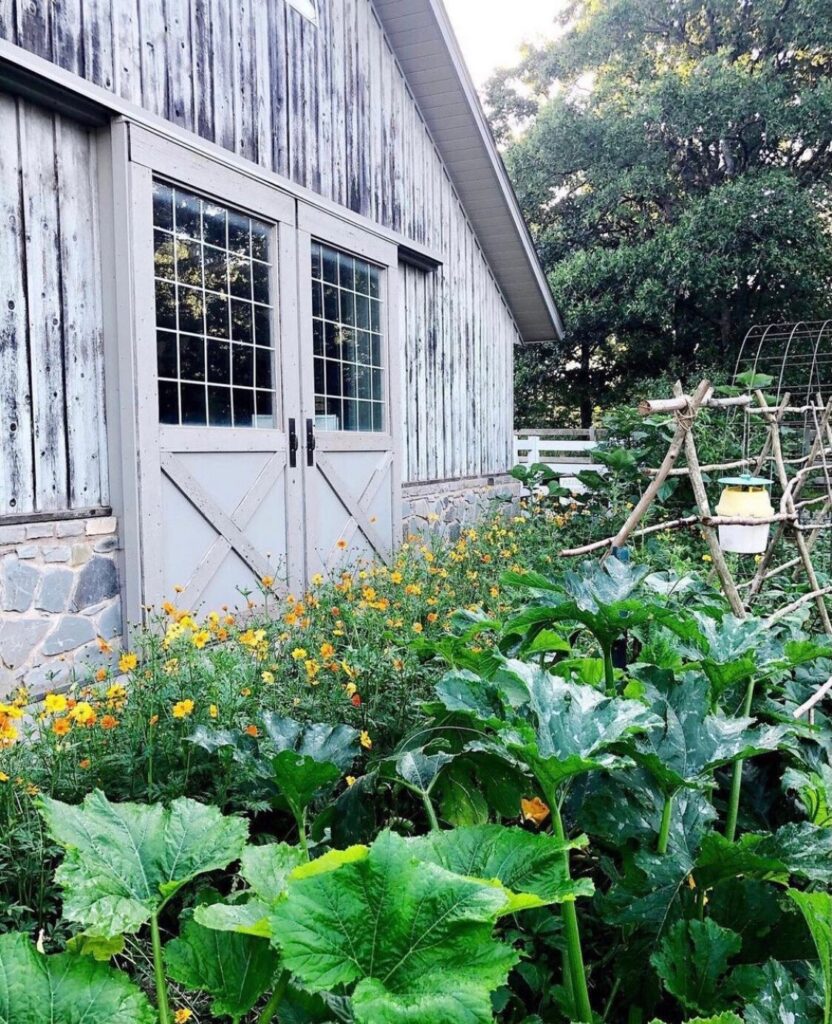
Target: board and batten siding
53,454
328,107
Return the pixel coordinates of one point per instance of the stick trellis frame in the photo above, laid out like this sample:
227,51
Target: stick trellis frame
793,522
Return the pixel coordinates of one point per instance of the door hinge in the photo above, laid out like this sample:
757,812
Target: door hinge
310,443
294,444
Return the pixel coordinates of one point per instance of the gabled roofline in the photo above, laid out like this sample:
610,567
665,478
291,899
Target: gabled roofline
431,60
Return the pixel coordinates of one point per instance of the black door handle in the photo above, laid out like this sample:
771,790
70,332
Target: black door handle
294,444
310,443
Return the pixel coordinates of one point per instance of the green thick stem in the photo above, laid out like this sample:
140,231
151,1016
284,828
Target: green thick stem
609,670
736,776
431,813
635,1016
159,972
571,930
275,999
664,829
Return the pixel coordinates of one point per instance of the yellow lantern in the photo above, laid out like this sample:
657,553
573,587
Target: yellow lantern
745,497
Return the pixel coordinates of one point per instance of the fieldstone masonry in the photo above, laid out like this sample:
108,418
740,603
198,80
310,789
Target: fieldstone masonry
446,506
59,592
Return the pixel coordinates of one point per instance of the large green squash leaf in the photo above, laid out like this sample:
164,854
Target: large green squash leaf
267,870
797,849
308,758
691,742
780,1001
693,962
814,792
64,989
235,969
721,1018
573,729
124,861
521,861
414,939
816,908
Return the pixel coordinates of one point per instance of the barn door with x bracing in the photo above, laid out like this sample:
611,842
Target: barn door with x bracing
219,499
350,387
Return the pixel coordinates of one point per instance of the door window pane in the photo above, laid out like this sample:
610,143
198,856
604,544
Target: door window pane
213,312
349,375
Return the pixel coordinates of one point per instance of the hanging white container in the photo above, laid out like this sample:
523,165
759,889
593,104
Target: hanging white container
745,497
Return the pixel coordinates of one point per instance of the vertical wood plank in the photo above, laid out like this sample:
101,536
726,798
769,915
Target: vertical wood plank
278,72
352,158
98,41
337,87
223,83
127,50
200,16
261,85
82,318
326,45
244,51
294,90
17,469
69,49
33,27
41,220
154,57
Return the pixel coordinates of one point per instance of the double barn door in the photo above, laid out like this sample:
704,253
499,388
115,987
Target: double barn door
264,384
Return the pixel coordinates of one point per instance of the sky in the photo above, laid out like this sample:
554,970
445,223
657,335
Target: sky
491,32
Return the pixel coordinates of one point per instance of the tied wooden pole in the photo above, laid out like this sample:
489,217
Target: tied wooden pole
684,421
788,498
729,586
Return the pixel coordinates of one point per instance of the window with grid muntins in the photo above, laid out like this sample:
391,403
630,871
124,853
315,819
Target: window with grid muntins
348,341
215,353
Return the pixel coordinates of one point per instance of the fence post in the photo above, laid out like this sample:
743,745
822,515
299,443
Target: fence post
534,449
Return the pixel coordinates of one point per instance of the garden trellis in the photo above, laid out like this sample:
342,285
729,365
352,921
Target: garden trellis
803,483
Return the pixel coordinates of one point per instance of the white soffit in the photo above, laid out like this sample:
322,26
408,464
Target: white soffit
426,47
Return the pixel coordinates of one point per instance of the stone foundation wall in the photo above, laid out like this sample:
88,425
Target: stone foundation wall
59,592
446,506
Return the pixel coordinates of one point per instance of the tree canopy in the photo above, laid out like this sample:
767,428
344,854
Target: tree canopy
673,158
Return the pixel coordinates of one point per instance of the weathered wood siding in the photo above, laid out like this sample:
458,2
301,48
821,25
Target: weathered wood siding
52,438
329,108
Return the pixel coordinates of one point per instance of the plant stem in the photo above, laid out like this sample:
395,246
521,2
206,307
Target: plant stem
616,986
635,1016
570,928
664,830
159,972
609,670
736,777
275,999
431,813
302,841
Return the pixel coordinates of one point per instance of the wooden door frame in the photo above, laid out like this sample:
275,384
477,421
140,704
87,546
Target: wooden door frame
314,224
132,156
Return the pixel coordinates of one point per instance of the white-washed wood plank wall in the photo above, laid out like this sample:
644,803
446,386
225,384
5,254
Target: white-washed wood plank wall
328,107
53,452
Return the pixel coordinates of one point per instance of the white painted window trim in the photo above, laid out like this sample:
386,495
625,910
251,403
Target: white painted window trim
307,8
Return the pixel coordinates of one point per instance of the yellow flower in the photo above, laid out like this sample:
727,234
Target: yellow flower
183,708
268,678
413,589
213,710
317,579
61,726
100,674
432,616
350,781
246,691
396,577
252,637
351,688
534,810
109,722
494,591
417,627
182,1015
3,777
327,651
299,653
365,741
201,638
55,703
117,692
707,558
82,713
127,662
267,581
312,669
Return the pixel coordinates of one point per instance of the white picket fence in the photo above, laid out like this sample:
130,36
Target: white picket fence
567,451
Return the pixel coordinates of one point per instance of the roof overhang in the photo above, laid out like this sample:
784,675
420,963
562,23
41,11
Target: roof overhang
428,52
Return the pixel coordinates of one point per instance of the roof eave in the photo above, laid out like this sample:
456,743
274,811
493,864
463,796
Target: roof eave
487,196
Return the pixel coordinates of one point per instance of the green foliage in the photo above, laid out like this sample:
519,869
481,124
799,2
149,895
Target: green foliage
673,162
816,908
692,961
413,939
125,861
64,989
236,970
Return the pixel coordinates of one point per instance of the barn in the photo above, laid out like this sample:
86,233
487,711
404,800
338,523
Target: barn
261,278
